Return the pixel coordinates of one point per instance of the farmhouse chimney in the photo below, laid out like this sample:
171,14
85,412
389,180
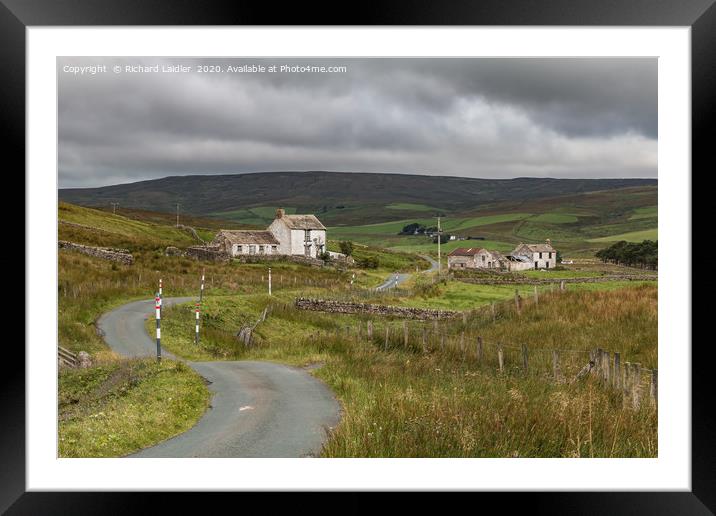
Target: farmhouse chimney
280,213
549,241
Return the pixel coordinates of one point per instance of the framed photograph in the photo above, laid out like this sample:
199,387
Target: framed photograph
390,256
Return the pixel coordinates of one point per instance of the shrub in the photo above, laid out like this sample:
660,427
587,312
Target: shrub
346,247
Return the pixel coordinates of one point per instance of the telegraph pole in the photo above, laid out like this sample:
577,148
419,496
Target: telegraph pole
114,207
439,261
177,214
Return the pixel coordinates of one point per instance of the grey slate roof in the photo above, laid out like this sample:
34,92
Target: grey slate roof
302,222
248,237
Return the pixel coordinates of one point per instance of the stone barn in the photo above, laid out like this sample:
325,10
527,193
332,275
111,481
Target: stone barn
475,258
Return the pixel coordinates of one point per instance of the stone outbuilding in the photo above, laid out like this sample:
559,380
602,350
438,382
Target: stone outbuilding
475,258
247,242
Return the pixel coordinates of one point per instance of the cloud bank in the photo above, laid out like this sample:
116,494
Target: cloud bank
492,118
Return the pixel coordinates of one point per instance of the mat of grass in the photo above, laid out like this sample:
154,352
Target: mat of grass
115,409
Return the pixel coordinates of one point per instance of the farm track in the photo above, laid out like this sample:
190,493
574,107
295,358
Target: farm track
258,409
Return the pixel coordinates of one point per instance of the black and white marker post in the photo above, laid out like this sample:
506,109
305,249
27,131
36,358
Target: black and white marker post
158,316
196,335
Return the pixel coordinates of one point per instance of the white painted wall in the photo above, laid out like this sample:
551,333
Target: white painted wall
298,237
283,234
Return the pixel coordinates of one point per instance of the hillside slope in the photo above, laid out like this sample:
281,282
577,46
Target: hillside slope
339,197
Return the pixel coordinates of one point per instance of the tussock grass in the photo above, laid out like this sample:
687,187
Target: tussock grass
440,401
119,407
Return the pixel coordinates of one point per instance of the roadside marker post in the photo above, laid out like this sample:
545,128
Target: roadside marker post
269,280
160,287
196,337
201,291
158,316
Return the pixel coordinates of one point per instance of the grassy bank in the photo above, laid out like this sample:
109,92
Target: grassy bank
402,401
117,408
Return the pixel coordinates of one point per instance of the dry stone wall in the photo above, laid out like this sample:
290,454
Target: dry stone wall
345,307
547,281
212,253
106,253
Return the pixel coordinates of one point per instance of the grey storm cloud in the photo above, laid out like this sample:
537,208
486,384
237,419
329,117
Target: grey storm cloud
497,118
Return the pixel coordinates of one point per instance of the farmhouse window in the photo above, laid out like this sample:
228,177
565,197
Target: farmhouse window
274,249
238,249
252,249
261,249
540,256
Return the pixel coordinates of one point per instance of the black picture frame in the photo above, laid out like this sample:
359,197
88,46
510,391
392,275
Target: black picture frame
700,15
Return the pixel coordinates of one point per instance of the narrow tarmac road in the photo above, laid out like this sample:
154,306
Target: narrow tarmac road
398,278
258,409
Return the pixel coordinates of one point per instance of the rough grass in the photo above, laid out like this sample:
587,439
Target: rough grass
403,401
120,407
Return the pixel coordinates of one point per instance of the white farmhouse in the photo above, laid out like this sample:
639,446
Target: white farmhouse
539,256
302,235
297,235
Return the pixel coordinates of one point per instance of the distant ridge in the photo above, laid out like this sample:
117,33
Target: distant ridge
210,194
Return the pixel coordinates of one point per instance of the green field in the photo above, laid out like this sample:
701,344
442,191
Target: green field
649,212
256,216
555,218
409,206
634,236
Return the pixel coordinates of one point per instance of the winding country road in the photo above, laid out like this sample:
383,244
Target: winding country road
258,409
397,278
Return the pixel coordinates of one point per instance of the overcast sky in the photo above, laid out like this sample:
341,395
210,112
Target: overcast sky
492,118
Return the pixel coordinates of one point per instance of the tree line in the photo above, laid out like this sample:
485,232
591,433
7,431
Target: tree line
644,254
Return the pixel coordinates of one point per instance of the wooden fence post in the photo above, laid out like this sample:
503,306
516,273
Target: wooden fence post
536,296
524,358
494,316
405,334
606,362
370,329
425,339
561,285
626,383
598,357
636,386
479,349
387,331
555,365
518,304
464,318
500,357
462,345
654,388
617,371
442,341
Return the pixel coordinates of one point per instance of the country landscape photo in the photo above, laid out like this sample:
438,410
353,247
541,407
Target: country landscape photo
357,257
